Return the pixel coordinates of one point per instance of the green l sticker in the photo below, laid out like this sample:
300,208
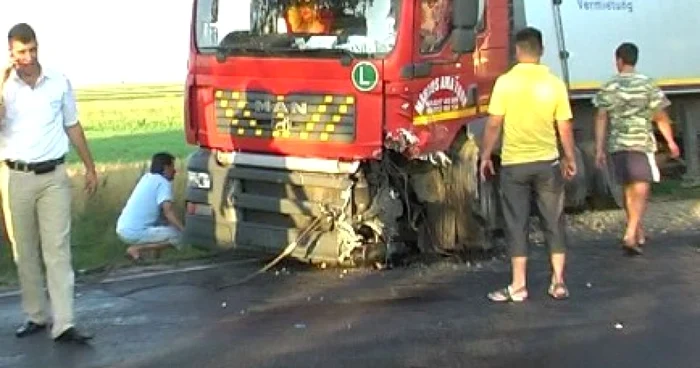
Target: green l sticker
365,76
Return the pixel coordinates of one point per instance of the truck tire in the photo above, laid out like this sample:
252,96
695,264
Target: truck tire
577,188
452,224
604,189
614,188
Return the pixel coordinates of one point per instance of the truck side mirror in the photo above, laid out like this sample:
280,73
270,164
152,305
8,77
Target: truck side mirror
465,14
463,40
465,19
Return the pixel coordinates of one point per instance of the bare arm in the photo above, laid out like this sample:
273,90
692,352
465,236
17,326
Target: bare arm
77,138
491,134
658,102
663,121
601,127
566,135
76,135
3,79
563,117
169,214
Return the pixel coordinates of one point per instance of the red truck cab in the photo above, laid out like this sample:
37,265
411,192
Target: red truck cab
296,105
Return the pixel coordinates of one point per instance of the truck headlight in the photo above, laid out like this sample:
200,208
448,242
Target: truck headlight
198,180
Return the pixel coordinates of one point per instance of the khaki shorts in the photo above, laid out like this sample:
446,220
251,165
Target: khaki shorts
152,235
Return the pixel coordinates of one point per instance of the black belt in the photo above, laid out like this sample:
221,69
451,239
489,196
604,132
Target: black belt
36,167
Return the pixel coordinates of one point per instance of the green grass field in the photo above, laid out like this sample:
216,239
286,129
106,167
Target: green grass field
124,125
128,124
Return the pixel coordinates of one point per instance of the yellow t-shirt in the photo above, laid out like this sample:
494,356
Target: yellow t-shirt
531,99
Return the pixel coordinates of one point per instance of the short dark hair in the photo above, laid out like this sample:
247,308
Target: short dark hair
628,53
530,40
160,161
21,32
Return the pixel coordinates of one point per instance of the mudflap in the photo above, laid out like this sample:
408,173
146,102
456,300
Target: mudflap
460,212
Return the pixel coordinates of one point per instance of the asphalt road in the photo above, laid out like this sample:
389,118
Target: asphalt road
624,312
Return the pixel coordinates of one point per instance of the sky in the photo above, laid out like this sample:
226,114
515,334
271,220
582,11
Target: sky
97,42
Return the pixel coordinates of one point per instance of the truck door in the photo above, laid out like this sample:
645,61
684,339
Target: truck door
443,88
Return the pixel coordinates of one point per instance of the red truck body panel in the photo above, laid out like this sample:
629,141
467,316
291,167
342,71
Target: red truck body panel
390,107
285,77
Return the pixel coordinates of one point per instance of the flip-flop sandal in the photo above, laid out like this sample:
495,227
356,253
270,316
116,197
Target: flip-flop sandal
631,249
558,291
507,294
641,242
642,239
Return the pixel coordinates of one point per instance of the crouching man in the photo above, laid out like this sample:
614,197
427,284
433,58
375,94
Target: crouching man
148,221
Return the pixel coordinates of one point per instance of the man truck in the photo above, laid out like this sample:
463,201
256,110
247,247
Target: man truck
343,131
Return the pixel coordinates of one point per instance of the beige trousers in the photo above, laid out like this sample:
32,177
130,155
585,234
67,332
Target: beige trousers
37,211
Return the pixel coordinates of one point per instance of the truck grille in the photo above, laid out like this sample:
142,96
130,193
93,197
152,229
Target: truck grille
311,117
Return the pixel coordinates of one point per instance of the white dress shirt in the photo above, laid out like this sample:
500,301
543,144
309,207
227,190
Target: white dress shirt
33,128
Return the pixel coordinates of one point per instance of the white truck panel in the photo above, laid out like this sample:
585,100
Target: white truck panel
664,30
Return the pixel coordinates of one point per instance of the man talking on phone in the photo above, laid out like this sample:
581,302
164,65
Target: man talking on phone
38,122
531,105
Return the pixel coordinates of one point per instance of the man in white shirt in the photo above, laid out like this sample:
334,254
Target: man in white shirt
148,221
38,121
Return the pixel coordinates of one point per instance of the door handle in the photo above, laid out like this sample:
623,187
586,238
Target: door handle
416,70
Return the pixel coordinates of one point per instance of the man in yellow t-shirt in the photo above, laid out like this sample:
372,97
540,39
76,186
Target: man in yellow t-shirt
531,105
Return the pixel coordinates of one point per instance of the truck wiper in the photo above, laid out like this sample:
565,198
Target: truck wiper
346,59
223,52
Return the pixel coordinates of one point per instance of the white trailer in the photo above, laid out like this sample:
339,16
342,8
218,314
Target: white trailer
580,38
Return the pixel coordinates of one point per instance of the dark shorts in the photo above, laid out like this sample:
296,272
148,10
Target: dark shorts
520,185
631,167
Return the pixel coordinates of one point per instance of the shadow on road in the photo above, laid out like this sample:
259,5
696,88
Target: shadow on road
416,316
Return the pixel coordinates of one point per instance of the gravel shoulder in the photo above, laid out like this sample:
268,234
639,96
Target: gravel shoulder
662,217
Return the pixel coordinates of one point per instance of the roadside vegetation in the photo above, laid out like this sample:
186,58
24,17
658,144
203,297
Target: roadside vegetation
124,125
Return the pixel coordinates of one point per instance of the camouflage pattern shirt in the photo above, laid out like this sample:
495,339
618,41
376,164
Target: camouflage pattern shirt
631,100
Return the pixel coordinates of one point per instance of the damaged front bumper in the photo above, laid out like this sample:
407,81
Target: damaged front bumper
262,209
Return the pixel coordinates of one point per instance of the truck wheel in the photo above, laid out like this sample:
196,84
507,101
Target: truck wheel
604,188
577,188
451,223
464,177
613,186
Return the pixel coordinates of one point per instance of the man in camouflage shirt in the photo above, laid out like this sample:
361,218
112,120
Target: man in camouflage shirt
627,105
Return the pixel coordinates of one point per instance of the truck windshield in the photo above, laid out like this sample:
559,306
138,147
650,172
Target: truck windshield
273,27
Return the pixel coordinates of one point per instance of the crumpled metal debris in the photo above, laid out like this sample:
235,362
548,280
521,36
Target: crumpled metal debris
404,142
401,140
436,159
386,207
